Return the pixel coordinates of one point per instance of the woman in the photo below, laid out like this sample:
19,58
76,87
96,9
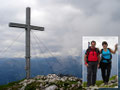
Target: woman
105,63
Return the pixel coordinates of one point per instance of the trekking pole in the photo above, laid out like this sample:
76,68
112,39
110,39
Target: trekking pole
88,44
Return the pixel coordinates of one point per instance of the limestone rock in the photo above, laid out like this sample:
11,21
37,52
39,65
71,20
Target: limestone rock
52,87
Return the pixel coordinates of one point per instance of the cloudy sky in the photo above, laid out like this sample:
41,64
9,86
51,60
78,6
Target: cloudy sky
65,22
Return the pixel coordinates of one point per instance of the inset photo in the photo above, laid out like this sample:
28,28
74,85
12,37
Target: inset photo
100,61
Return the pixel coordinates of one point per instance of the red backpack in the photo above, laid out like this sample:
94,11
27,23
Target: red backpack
92,54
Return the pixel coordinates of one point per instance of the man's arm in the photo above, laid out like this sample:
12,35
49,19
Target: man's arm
99,52
85,60
98,59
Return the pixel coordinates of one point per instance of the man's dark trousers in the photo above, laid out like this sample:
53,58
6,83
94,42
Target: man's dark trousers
91,73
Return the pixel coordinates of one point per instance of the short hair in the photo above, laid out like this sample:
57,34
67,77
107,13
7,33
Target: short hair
104,43
93,41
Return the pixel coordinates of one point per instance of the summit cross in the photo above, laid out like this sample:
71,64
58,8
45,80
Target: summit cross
27,28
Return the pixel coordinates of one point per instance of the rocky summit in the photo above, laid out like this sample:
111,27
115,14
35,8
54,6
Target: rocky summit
49,82
113,83
57,82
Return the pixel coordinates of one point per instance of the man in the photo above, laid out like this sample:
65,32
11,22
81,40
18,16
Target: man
92,59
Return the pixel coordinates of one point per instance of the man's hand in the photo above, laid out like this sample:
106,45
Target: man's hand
98,65
86,65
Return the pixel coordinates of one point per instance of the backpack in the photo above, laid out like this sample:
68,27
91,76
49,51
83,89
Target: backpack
102,58
108,60
89,50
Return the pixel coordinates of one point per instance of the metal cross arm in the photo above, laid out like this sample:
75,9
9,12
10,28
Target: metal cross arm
28,27
18,25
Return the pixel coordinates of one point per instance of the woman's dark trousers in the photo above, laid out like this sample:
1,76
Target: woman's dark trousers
105,71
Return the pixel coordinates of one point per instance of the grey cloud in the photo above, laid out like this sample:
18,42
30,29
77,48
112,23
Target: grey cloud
65,21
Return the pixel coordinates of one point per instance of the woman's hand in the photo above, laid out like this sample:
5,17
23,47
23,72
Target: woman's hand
116,46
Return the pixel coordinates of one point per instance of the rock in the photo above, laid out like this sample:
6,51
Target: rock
113,81
80,83
52,87
51,82
61,89
51,76
38,77
73,85
110,84
46,85
40,81
62,79
23,81
116,87
41,85
65,78
70,79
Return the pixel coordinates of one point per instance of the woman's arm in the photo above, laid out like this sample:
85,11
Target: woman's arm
113,52
100,51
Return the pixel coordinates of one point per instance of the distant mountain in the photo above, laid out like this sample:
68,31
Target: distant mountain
13,69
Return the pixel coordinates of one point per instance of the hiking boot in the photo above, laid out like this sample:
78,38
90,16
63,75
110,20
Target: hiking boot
106,83
94,85
88,85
